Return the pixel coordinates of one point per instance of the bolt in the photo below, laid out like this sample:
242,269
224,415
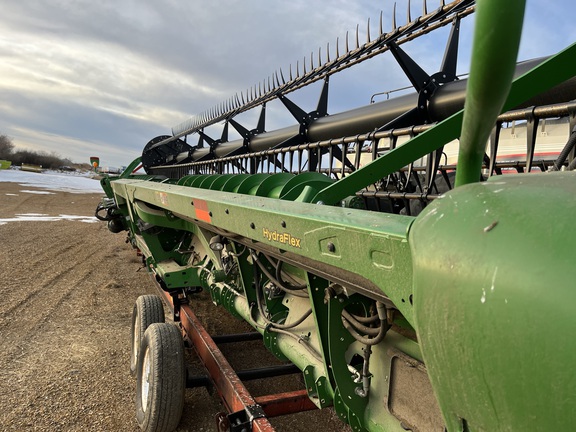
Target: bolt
252,225
227,211
331,247
283,223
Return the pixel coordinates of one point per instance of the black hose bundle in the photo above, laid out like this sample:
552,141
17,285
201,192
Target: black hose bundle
294,290
367,335
260,303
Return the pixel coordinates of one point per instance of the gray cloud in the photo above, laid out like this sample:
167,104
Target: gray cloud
83,78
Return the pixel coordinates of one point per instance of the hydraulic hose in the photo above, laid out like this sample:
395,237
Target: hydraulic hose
384,326
260,305
359,327
272,279
286,284
280,328
365,320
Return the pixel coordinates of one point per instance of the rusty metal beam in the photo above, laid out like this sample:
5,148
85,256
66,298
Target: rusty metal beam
286,403
230,388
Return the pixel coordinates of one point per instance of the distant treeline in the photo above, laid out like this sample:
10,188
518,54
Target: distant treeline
44,159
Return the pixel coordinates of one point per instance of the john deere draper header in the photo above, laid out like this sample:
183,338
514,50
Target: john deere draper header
411,257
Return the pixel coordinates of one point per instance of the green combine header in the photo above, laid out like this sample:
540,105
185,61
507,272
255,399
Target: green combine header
412,292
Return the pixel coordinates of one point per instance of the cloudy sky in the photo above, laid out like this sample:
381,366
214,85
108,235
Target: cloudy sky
101,78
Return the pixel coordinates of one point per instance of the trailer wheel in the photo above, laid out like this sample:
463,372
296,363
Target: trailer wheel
161,379
148,309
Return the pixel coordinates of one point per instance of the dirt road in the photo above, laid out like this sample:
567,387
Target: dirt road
67,288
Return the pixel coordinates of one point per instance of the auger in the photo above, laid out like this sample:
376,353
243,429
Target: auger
410,258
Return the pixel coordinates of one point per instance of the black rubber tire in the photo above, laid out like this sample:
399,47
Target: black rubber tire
161,368
148,309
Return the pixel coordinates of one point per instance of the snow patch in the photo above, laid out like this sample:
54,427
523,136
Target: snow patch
37,217
38,192
52,180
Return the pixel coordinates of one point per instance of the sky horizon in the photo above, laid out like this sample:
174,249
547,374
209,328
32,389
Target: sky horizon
102,78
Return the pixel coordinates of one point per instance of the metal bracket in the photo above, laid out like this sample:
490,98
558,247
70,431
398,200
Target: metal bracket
178,299
241,421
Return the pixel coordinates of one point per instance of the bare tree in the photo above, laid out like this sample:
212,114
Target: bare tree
6,147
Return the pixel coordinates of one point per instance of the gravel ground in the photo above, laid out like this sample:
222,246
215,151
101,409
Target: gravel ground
67,290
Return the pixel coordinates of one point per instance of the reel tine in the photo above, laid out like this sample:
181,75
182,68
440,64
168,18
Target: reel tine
328,63
368,31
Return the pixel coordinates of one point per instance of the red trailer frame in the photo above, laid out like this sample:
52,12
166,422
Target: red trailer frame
243,409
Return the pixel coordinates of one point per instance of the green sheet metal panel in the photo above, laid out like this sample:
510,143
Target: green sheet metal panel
493,302
360,242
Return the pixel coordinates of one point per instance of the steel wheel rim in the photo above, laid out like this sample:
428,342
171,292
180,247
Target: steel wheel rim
145,384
